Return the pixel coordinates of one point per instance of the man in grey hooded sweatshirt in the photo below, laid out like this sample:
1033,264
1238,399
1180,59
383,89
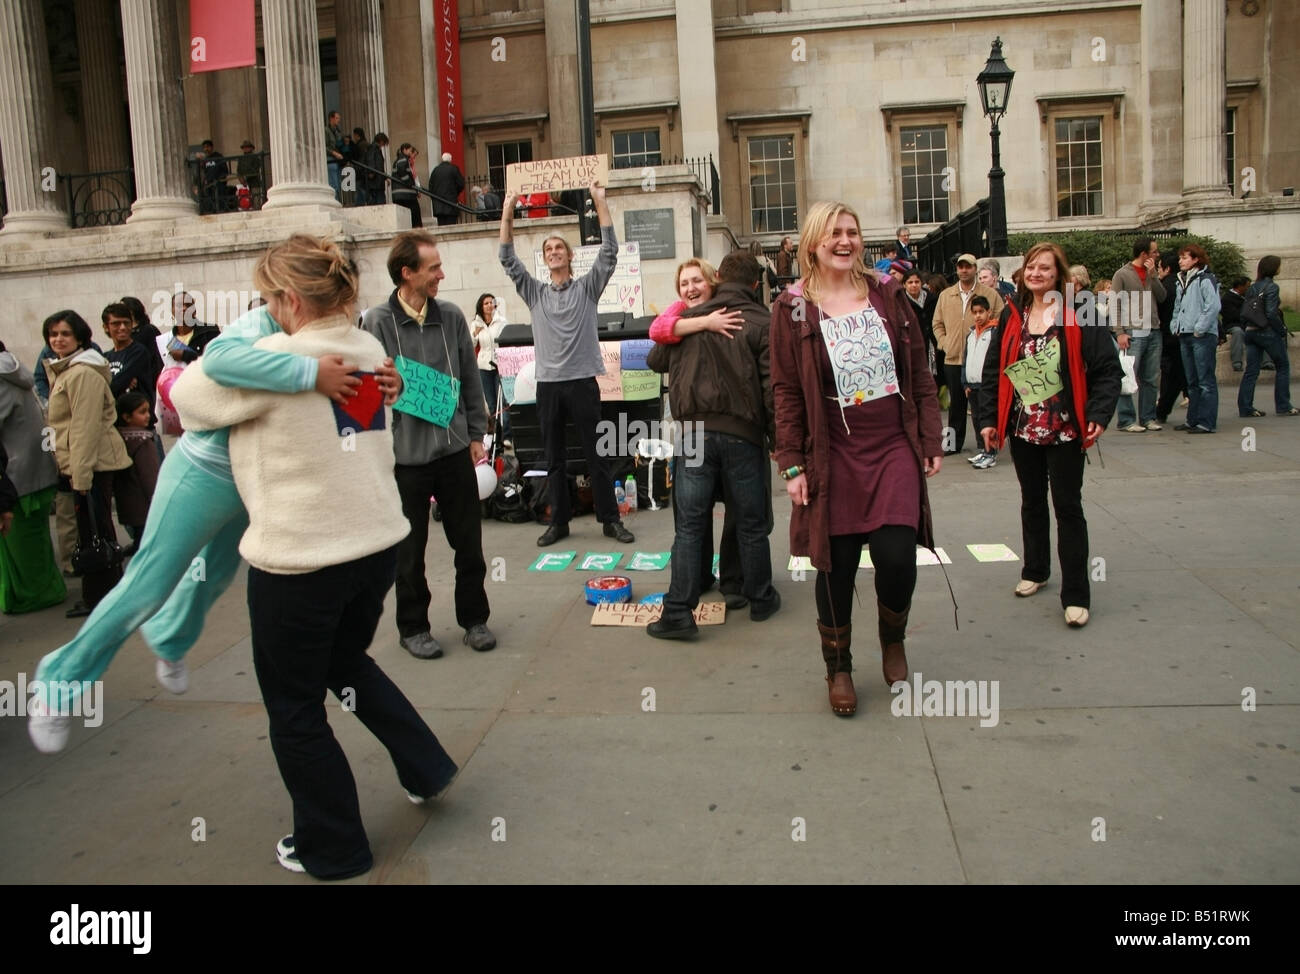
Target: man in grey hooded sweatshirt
435,460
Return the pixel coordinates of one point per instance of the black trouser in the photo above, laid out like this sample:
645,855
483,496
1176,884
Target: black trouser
412,203
893,556
310,633
452,481
557,403
1061,468
445,219
731,580
955,377
1173,381
95,585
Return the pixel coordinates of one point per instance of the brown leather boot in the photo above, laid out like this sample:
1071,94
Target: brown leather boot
839,666
893,630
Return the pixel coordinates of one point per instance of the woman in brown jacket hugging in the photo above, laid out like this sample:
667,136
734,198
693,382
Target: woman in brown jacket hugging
857,433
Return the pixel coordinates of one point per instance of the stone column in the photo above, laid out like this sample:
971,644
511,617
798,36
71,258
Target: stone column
295,107
363,93
697,80
26,121
157,99
561,82
102,100
1204,94
1162,101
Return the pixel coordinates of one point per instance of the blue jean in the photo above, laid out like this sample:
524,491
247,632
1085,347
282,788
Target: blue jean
335,178
193,514
739,466
491,383
1257,343
1146,352
1202,387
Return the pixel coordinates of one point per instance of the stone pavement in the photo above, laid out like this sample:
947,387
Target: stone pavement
1136,720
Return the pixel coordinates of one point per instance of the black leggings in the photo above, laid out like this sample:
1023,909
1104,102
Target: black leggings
893,554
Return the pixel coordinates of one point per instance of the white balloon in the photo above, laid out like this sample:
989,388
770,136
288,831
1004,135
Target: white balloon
487,480
526,384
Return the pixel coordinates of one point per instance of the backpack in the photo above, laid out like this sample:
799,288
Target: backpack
1252,309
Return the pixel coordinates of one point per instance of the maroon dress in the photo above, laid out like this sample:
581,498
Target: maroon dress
874,479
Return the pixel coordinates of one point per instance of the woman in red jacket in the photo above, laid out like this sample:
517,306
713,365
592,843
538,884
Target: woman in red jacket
857,433
1052,388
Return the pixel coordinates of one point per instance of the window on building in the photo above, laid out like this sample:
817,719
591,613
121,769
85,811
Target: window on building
923,153
773,206
1231,140
1078,166
635,149
502,154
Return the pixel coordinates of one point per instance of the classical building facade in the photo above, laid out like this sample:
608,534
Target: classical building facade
1123,114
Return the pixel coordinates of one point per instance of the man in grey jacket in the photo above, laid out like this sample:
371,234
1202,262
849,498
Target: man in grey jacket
1135,292
432,459
564,324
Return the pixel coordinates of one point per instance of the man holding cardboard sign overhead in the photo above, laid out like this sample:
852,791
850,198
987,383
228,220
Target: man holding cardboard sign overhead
568,359
438,427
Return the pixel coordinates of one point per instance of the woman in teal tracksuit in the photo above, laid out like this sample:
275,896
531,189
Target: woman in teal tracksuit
189,552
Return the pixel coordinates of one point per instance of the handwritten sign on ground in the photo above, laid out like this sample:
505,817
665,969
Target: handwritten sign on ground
553,561
427,394
646,561
599,561
991,552
923,557
556,175
627,614
1038,377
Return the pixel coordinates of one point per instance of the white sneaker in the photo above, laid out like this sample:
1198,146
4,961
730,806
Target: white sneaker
48,733
1134,428
976,458
1153,426
175,676
986,461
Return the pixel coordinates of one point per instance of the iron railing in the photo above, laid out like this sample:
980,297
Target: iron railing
99,199
229,184
966,233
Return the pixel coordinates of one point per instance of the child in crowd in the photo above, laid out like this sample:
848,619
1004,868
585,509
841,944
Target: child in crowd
978,342
133,487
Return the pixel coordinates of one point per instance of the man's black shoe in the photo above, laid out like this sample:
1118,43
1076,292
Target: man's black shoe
662,630
615,530
735,601
762,611
553,534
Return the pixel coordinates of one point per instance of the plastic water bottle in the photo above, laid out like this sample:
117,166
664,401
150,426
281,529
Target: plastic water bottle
619,498
629,490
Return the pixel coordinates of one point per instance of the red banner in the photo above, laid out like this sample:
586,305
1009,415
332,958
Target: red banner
446,36
223,34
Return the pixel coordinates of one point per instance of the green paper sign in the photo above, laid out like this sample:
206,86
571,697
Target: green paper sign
597,561
553,561
1038,378
427,394
716,573
643,561
639,384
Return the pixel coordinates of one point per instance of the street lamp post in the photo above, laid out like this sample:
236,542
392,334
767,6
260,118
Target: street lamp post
995,89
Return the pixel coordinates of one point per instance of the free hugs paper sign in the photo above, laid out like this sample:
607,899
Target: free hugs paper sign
427,394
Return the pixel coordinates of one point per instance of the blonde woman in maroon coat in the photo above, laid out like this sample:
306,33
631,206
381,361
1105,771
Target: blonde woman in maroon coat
857,433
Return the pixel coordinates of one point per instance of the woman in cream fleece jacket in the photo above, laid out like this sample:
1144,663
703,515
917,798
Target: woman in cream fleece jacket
324,521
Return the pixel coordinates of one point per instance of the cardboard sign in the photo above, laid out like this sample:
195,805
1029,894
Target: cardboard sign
1038,378
640,616
511,360
923,557
611,383
427,394
556,175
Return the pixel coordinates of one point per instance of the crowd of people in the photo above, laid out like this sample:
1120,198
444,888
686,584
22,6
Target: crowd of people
843,381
